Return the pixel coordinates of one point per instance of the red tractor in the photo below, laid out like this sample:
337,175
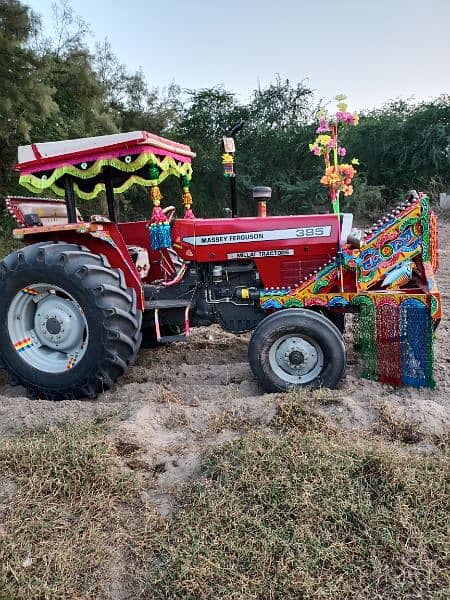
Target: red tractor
80,296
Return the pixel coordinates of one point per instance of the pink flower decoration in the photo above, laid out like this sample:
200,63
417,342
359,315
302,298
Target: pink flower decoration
345,117
323,126
316,150
331,144
342,151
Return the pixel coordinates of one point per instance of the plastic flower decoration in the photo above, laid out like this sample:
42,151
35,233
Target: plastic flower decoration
338,176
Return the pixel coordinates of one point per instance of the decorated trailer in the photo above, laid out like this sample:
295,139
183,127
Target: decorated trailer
81,296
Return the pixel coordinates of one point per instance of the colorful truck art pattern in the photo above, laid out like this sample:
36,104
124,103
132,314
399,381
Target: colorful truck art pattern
393,328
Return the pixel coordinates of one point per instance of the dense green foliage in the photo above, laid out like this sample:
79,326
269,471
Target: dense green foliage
57,88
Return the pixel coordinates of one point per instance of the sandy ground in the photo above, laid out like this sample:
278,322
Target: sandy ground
179,399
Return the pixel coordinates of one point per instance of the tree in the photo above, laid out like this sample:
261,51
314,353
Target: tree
70,70
208,113
69,30
25,96
79,96
281,105
274,147
54,88
404,145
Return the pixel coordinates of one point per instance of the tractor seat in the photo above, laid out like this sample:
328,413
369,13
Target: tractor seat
99,219
38,212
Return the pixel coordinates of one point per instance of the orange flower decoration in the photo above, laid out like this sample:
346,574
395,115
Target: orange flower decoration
338,177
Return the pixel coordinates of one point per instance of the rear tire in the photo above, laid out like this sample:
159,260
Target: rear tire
76,296
296,348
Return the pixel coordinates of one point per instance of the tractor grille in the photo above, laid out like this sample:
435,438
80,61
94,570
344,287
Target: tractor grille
293,271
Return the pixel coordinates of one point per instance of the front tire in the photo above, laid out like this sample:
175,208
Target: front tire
69,327
296,348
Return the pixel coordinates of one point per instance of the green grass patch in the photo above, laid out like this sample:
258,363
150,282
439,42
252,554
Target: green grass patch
306,514
64,524
300,511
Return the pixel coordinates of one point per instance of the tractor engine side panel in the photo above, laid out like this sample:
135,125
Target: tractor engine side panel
285,249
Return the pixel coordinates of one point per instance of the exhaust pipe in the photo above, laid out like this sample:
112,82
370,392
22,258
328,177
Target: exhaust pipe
262,194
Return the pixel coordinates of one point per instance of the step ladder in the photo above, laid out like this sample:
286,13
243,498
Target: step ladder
157,305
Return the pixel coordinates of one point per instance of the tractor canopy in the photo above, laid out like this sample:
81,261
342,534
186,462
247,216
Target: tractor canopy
92,165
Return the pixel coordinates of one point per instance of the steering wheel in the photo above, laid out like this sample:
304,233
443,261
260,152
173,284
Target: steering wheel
169,211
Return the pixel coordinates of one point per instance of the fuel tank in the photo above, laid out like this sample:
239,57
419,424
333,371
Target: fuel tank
285,249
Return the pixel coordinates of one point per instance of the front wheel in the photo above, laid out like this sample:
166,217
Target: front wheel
296,348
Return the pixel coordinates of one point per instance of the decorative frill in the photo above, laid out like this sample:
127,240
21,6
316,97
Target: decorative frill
88,181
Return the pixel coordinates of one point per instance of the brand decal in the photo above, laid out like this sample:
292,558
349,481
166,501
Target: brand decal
260,236
261,253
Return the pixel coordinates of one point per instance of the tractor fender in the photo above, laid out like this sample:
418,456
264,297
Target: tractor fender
103,239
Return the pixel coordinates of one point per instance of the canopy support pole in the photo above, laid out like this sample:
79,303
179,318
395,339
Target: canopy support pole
107,178
70,199
234,208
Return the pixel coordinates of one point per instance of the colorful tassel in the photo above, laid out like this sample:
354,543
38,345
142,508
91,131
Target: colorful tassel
416,340
186,198
155,195
388,342
365,340
160,236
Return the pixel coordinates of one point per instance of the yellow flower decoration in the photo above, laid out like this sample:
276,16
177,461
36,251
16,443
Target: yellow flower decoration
227,158
322,140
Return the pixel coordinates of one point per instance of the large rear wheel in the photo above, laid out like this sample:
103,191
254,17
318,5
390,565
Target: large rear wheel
296,348
69,327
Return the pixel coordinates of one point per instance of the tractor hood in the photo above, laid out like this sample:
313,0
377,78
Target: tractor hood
285,249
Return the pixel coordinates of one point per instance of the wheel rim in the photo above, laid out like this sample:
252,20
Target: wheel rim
47,328
296,360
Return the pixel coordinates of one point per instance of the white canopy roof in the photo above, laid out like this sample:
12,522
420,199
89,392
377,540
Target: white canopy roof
72,148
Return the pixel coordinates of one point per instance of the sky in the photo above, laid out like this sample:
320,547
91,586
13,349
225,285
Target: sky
370,50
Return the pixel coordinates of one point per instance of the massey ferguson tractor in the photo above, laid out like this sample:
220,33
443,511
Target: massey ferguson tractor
79,298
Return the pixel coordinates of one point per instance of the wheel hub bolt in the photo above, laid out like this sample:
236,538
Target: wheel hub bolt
296,357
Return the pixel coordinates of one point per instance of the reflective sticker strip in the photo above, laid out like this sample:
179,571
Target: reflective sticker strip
23,345
103,235
261,253
30,291
260,236
72,360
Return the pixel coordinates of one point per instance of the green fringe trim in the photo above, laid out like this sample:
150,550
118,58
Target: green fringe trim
430,353
365,336
167,165
425,222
